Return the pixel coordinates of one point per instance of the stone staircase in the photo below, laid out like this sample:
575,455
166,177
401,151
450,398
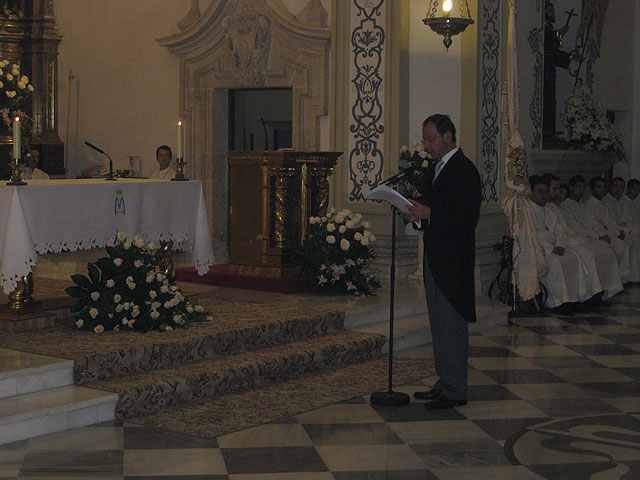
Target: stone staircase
37,396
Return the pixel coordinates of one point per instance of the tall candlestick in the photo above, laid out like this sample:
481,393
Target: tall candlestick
16,138
180,133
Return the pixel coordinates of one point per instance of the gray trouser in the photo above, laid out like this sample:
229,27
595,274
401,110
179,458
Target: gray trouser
450,333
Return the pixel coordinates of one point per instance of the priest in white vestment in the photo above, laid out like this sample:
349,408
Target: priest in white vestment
603,273
621,207
600,214
579,220
31,170
565,276
633,194
165,169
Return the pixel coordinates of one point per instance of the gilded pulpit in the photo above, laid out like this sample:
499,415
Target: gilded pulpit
272,196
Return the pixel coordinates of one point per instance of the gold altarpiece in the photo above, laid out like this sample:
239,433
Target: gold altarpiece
29,36
272,196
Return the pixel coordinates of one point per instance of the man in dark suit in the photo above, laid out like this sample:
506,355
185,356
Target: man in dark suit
448,215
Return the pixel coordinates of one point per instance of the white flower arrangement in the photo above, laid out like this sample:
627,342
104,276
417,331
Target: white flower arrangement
126,291
15,89
587,126
336,254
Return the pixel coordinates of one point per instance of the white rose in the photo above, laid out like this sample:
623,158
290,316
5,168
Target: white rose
98,329
121,236
21,86
15,70
189,309
164,289
1,84
154,314
344,244
312,220
131,322
131,285
342,229
138,263
29,87
372,238
151,246
9,77
339,218
168,304
423,154
138,241
153,294
24,79
155,305
110,283
357,236
119,308
331,239
367,233
79,323
178,319
366,224
199,308
127,244
135,312
331,227
168,328
11,94
159,276
93,312
350,224
125,320
117,262
364,241
95,296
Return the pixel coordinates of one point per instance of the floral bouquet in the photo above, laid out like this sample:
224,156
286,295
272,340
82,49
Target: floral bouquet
413,185
587,125
337,253
127,291
15,91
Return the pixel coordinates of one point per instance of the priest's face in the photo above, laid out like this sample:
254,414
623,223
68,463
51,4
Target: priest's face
577,191
599,190
164,158
633,190
555,193
617,188
435,144
540,194
33,158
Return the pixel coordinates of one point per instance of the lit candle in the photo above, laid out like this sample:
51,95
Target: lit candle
180,139
447,5
16,138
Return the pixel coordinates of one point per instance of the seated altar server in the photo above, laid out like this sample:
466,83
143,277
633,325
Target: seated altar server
564,277
621,207
31,170
579,220
600,214
603,273
165,170
633,190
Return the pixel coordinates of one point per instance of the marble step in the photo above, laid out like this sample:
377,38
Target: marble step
53,410
22,372
154,391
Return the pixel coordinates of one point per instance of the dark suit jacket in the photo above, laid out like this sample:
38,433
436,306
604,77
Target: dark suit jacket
449,235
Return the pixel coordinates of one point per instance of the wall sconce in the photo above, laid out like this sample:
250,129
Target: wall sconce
441,21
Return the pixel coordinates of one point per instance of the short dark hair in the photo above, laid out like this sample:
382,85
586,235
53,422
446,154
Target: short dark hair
617,178
535,180
443,124
575,179
632,182
592,182
547,177
164,147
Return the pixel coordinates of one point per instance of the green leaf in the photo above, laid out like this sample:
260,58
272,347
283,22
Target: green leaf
82,281
94,273
77,292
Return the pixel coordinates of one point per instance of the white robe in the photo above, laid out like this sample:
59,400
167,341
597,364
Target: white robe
608,210
565,277
35,174
624,213
166,174
598,257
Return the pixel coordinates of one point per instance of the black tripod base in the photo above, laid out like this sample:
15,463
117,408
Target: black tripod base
390,399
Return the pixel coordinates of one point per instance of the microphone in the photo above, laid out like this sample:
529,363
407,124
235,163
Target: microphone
94,147
400,175
110,177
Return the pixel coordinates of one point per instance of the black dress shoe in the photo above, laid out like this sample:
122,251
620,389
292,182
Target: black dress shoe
443,402
430,395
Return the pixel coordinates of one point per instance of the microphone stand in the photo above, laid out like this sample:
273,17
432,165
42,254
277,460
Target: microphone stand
110,178
391,398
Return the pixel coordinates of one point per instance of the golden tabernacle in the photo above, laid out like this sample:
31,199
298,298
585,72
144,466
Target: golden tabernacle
272,196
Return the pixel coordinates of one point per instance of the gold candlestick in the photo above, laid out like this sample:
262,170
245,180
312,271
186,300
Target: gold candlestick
179,177
16,173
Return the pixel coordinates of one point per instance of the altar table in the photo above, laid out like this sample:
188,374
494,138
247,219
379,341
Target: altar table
49,216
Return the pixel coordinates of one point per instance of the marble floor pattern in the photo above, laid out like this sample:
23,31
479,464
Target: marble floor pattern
549,397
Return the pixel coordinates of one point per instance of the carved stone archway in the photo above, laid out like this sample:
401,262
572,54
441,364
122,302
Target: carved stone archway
239,44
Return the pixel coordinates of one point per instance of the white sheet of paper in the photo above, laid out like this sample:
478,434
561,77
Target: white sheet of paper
388,194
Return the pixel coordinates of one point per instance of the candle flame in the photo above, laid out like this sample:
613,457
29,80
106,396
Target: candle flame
17,119
179,122
447,5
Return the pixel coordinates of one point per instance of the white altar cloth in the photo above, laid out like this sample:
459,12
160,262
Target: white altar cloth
53,215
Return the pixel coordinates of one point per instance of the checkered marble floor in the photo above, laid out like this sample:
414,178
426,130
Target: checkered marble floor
549,397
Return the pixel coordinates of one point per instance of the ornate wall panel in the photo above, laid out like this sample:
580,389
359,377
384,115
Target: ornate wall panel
366,126
536,44
490,131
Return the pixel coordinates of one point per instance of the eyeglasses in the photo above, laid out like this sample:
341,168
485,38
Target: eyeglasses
426,140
